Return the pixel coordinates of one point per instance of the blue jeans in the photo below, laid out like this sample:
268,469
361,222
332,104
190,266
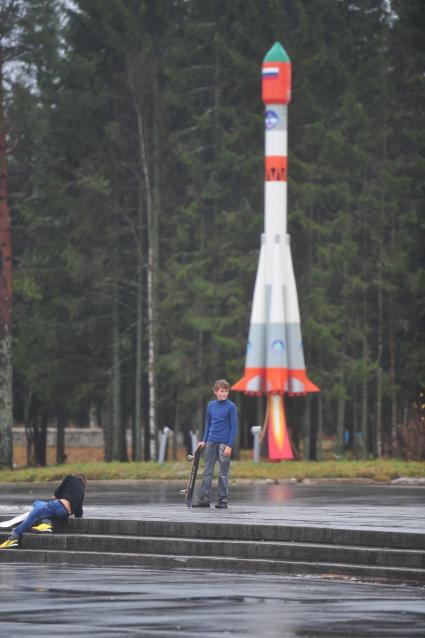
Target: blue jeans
40,510
215,452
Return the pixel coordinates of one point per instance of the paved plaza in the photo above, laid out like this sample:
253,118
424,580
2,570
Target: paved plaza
56,601
387,507
59,600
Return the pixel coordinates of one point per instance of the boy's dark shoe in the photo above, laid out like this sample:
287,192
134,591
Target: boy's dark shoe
201,503
11,543
221,505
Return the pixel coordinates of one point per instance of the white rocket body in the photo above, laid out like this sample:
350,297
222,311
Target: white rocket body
275,357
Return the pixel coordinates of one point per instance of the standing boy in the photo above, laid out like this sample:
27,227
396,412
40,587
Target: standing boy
68,499
220,431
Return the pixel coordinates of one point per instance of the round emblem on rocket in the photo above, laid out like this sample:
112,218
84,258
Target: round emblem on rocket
278,346
271,119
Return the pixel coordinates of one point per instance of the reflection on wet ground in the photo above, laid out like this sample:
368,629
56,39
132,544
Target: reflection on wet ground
57,601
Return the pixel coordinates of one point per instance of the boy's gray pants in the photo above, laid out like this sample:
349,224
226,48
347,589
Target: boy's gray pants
215,452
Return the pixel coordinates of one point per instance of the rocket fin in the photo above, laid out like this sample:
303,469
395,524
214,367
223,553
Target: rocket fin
253,382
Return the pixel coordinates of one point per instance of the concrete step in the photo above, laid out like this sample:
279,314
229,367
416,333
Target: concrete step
249,532
264,550
217,563
371,554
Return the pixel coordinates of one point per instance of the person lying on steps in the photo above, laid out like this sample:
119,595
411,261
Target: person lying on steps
67,500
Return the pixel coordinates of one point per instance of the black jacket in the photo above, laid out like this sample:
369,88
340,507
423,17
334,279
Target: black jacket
72,489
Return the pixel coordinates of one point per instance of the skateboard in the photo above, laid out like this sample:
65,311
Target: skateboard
14,521
188,492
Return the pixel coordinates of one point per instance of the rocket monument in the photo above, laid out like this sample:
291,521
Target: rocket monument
274,363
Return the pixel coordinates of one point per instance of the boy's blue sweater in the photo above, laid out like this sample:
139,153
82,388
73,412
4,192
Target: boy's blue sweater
221,422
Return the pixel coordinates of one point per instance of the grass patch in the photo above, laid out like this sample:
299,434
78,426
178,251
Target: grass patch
381,470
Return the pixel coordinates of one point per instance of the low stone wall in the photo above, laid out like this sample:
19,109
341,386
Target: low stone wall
82,445
74,437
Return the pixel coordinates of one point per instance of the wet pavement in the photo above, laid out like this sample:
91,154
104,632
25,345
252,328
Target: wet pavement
394,508
56,601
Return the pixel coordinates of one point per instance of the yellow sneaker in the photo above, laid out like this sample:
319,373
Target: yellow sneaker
42,528
10,543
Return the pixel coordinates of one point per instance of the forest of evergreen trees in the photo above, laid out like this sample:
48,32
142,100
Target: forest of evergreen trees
134,147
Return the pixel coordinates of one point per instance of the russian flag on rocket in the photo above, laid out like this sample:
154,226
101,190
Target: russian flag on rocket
275,357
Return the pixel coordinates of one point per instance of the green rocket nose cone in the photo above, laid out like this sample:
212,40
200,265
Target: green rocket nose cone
277,54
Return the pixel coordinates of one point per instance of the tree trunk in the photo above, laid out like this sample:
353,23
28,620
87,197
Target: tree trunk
340,425
125,420
60,436
393,391
380,337
138,416
176,428
379,435
40,438
355,424
364,400
153,435
317,452
365,358
116,380
142,77
29,429
392,352
317,426
307,427
107,425
6,391
153,261
6,403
